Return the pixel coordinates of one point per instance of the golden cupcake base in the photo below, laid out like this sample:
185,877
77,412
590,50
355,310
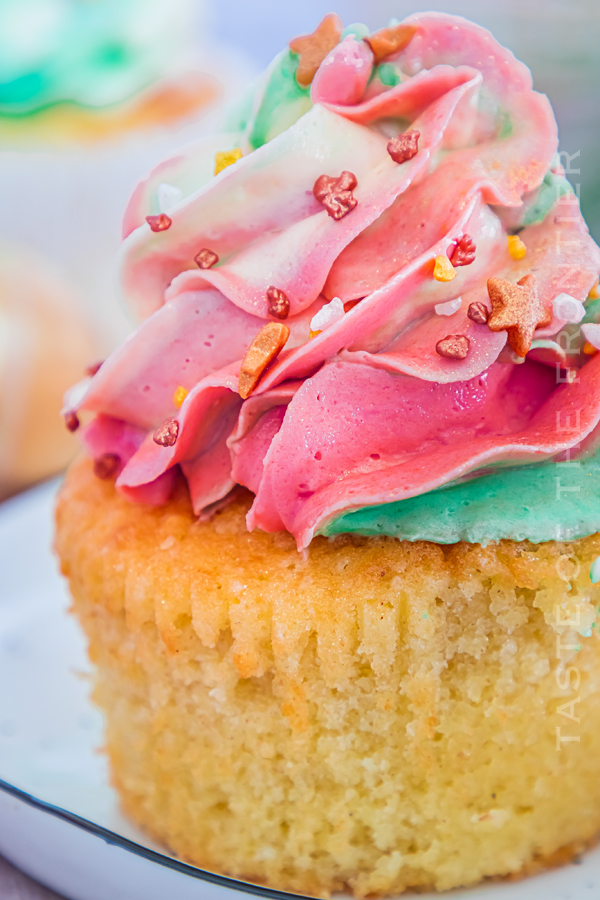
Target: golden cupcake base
379,716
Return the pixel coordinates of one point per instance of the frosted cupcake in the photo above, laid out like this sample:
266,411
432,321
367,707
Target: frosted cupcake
45,343
90,94
370,337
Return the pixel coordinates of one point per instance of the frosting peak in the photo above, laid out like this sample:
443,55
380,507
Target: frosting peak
383,190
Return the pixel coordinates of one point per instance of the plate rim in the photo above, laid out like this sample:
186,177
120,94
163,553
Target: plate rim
112,838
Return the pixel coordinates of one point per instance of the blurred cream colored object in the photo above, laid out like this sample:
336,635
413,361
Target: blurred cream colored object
45,346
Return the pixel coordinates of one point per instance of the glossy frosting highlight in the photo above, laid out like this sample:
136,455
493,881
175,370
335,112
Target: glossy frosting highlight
365,411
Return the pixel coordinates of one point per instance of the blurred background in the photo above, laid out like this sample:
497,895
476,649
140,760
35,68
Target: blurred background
93,93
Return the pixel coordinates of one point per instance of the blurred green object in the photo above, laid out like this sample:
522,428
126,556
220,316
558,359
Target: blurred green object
92,52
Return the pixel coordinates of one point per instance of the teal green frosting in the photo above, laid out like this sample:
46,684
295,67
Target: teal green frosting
542,502
92,52
553,187
592,312
282,103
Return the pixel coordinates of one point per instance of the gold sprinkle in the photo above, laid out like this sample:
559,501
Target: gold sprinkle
443,270
313,48
224,158
267,345
312,334
179,396
589,349
516,246
594,294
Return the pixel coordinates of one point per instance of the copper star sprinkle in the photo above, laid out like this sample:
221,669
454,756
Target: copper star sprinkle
462,251
404,146
166,434
518,310
206,259
279,305
313,48
453,346
106,466
159,223
387,41
478,313
267,344
336,194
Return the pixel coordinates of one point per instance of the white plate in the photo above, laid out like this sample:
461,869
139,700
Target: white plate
59,818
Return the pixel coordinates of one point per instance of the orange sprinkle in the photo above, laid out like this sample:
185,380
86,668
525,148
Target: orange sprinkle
391,40
313,48
179,396
589,349
265,347
313,334
443,270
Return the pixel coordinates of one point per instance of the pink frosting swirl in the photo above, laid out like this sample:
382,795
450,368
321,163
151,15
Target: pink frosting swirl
367,411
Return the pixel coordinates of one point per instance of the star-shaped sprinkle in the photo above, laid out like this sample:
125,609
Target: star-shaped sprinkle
313,48
388,41
518,310
404,146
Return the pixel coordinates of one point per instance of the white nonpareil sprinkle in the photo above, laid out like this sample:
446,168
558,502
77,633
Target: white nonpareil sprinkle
568,309
448,308
592,334
595,571
328,315
168,197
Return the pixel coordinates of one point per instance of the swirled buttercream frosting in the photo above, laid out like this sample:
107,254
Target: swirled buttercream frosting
378,315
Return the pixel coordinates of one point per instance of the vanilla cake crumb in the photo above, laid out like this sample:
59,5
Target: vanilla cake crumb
380,716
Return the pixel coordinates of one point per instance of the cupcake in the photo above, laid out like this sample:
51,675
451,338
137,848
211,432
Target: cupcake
45,343
88,92
334,539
